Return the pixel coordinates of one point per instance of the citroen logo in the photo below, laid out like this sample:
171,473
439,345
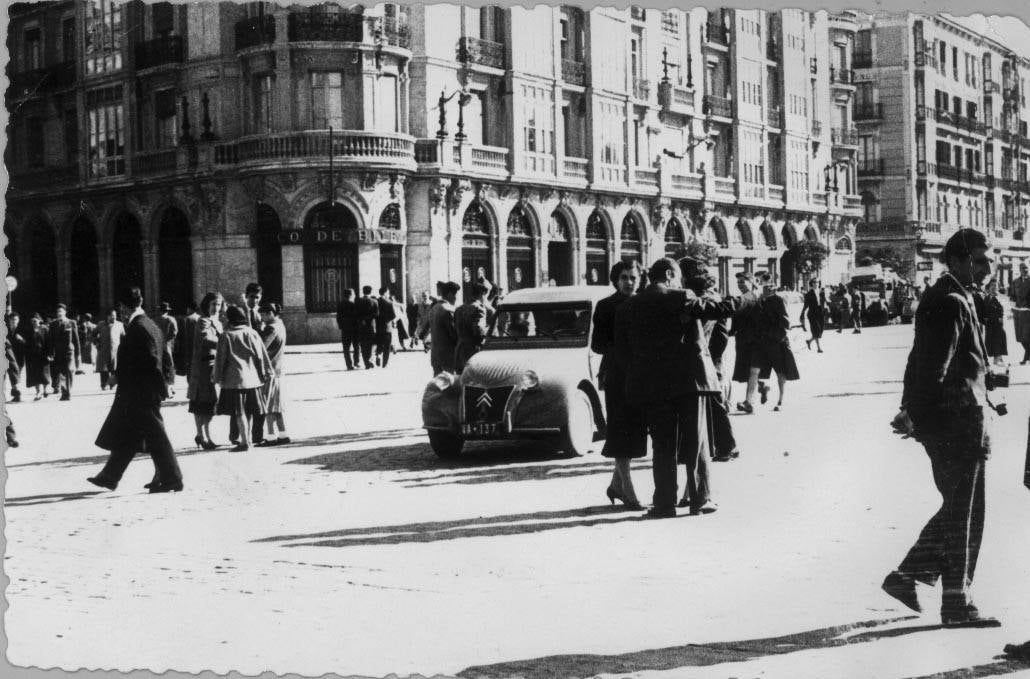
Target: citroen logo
483,404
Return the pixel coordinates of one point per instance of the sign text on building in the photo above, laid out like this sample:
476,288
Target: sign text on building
330,236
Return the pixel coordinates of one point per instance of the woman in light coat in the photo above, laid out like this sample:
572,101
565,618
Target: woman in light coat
108,337
273,332
241,368
201,392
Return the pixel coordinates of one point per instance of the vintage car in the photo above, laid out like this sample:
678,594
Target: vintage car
536,377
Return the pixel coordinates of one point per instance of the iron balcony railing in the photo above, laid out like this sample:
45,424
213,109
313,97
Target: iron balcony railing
160,51
574,72
817,128
396,34
717,33
868,111
841,76
255,31
718,106
28,83
774,117
641,88
862,60
840,137
960,122
325,27
482,52
870,167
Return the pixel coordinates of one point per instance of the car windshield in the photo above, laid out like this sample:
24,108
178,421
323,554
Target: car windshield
567,324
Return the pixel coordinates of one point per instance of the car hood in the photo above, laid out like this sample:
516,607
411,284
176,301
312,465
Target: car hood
503,366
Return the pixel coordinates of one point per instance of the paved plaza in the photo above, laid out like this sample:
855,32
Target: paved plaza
355,550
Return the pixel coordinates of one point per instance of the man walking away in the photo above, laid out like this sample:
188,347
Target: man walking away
472,322
443,337
65,351
945,398
858,308
170,329
134,422
386,319
367,309
347,322
1019,293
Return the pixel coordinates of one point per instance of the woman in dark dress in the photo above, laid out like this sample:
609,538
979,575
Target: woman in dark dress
37,366
627,429
773,350
813,310
994,324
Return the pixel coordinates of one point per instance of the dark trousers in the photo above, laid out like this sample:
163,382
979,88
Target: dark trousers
257,424
722,440
63,374
350,348
147,419
679,433
949,544
384,346
104,377
367,343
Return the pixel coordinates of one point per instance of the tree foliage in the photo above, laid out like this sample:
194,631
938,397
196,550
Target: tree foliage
695,249
809,256
886,257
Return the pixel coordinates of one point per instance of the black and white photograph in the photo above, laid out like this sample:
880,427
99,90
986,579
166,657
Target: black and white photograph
493,341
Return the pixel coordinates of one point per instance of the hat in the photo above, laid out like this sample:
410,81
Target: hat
165,308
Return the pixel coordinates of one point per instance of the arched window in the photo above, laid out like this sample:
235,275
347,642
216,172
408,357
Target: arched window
269,252
330,263
674,238
85,268
630,241
476,245
521,250
743,233
844,244
391,217
175,260
559,250
790,238
597,249
719,232
811,235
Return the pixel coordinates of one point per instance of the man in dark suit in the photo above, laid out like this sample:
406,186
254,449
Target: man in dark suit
65,351
367,309
661,346
347,322
472,322
443,336
386,319
945,399
724,444
134,422
252,299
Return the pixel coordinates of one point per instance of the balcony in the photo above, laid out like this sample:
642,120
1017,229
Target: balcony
675,98
991,87
574,72
325,27
725,188
772,50
641,89
817,128
646,178
481,52
255,31
159,52
839,137
845,20
28,83
862,60
776,193
717,106
162,161
842,76
870,167
490,159
774,117
960,122
687,183
868,111
396,34
576,168
852,203
958,174
922,112
361,148
813,65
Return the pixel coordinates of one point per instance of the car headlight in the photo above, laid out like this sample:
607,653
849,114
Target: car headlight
529,380
443,381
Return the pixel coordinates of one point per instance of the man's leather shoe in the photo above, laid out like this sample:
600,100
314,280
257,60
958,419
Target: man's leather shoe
707,508
902,588
103,482
167,487
966,616
660,513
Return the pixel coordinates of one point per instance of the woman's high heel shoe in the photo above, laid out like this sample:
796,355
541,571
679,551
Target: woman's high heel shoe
205,445
613,496
199,440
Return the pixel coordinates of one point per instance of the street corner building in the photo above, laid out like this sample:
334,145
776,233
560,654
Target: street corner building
941,114
313,148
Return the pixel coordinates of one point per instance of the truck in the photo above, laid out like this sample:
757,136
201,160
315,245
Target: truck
887,294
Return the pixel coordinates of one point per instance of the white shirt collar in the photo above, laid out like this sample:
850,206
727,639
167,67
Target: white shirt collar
134,314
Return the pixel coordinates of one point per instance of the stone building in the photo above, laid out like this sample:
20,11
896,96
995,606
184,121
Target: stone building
943,144
198,147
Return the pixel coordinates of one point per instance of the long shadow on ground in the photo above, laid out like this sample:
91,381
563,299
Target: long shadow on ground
435,531
701,655
51,498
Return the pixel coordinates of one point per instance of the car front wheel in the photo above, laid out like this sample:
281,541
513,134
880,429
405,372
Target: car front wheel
445,444
579,426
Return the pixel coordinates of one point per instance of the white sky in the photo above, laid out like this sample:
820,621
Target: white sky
1008,30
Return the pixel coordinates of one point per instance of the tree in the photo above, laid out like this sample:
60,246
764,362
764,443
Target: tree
695,249
809,256
886,257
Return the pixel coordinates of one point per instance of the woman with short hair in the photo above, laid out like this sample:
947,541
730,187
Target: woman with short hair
241,368
273,333
201,392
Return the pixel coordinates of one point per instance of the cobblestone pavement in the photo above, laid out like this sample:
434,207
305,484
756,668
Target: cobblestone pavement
354,550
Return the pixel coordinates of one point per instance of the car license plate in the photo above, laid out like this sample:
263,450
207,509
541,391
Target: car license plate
481,429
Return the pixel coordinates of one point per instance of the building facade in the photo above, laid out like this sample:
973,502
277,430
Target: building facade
187,148
941,113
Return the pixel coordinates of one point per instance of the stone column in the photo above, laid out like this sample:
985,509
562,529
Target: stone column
64,274
151,274
369,271
294,311
105,257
